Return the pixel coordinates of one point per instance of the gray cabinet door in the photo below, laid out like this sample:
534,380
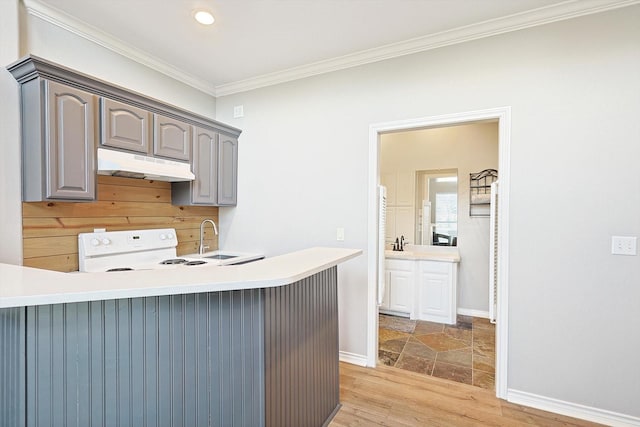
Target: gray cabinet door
227,170
205,160
70,143
171,138
124,126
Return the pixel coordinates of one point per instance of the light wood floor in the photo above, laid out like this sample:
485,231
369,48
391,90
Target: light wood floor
387,396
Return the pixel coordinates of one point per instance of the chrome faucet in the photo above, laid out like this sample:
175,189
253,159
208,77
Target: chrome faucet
215,230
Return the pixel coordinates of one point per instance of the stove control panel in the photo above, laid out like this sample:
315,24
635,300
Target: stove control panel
121,242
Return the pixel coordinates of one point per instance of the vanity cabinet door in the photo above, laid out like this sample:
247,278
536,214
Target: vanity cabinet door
227,171
437,291
171,138
124,126
70,143
399,289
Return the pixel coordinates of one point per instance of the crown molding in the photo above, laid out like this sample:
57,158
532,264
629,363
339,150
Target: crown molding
544,15
88,32
32,67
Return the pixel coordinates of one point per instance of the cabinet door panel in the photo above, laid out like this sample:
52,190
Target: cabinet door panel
124,126
400,291
404,223
228,170
390,225
434,294
405,185
171,138
205,160
437,291
70,143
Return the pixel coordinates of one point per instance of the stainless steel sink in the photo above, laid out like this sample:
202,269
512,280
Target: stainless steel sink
226,257
220,256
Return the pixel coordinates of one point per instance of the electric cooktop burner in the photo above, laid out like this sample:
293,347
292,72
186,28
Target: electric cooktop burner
197,262
120,269
173,261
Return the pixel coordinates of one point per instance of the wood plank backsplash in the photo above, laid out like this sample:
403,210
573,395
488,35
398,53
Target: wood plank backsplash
50,229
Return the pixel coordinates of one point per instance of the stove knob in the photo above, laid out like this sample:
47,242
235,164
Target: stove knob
170,236
95,242
163,237
106,241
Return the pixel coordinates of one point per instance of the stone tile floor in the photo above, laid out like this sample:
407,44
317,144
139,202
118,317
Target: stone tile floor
464,352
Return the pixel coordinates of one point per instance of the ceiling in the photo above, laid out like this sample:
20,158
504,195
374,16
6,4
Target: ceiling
255,43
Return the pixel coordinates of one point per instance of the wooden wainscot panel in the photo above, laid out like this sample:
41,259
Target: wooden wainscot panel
50,229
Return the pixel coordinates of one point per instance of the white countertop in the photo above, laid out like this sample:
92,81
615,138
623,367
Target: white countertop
24,286
426,253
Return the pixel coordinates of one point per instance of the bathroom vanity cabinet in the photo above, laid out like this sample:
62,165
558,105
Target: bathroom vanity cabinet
422,283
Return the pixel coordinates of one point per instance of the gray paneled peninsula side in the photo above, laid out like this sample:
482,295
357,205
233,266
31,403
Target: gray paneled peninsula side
234,351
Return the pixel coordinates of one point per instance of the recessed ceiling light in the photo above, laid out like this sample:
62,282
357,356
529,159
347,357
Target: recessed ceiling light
203,17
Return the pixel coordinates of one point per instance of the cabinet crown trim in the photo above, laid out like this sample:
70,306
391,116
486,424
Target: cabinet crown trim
31,67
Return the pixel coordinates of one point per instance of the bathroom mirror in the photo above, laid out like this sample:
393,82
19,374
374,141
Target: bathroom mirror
437,207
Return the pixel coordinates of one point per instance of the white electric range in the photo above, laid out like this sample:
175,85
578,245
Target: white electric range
151,249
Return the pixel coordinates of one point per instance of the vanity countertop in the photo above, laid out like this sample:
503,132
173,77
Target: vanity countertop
426,253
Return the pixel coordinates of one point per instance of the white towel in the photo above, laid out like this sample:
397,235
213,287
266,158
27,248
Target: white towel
481,198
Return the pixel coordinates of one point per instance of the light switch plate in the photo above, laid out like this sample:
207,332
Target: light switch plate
340,234
238,111
624,245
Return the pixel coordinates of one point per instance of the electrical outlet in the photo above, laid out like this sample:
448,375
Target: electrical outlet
340,234
238,111
624,245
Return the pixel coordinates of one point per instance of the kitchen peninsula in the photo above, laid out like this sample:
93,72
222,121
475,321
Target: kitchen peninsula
253,344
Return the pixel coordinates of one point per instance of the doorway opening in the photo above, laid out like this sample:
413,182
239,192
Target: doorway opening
502,115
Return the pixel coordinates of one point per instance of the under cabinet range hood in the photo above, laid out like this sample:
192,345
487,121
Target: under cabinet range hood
130,165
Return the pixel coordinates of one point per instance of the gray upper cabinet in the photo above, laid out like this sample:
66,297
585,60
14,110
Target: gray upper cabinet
205,160
65,114
204,189
227,170
171,138
215,165
58,142
70,143
124,126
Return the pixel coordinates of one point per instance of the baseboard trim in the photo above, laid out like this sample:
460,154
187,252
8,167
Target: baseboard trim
572,409
354,359
333,414
473,313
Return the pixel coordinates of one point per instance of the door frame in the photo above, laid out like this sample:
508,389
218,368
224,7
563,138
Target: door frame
503,115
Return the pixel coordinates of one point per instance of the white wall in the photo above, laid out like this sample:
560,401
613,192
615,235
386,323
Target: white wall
10,196
574,91
51,42
467,148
